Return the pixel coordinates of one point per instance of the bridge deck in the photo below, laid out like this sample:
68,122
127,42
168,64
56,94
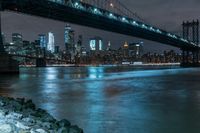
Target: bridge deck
75,14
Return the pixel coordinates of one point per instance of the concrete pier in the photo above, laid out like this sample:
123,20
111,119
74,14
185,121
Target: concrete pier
8,65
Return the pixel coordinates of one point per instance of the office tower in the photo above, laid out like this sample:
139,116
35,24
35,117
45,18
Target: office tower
96,44
109,46
43,40
79,44
51,42
136,49
69,39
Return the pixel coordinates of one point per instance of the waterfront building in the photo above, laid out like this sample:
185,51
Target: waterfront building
51,42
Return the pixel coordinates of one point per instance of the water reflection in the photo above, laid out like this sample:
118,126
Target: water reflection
96,72
114,99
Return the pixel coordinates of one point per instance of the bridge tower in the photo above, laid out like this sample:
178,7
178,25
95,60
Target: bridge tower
191,33
41,62
7,64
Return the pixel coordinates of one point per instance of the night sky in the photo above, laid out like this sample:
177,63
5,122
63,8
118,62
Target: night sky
166,14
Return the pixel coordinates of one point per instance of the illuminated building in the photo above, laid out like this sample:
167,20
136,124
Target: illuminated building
51,42
136,49
69,39
43,40
109,46
125,50
96,44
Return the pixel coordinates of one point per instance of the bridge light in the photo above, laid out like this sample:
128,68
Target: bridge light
123,18
76,4
95,9
135,23
144,26
110,14
152,29
158,31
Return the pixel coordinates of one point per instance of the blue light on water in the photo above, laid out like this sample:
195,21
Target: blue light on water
96,72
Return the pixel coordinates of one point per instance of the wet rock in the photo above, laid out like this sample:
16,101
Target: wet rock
41,131
14,115
20,100
21,116
6,128
63,130
28,120
29,104
75,129
64,123
21,125
2,113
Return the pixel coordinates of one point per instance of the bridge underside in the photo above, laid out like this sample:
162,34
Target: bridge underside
52,10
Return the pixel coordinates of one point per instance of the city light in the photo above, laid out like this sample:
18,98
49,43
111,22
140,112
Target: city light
111,4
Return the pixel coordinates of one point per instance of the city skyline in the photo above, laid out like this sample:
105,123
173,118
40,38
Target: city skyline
98,66
45,25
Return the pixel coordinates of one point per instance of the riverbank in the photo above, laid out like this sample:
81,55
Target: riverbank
22,116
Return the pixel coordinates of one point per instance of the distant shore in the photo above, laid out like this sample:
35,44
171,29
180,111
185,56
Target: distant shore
98,65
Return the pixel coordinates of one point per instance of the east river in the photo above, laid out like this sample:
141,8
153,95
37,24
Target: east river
114,99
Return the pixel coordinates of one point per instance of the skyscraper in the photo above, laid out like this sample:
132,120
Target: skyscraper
3,38
79,44
51,42
69,39
136,49
43,40
96,44
17,39
109,46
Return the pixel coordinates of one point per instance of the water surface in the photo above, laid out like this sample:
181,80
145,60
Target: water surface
114,99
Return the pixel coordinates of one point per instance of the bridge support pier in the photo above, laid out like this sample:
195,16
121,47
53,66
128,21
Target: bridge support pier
41,62
190,60
7,64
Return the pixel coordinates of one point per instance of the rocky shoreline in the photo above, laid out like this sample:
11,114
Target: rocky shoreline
22,116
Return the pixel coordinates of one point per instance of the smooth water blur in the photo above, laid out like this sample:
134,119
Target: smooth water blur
114,99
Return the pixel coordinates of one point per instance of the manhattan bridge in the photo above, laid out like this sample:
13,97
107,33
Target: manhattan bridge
109,15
